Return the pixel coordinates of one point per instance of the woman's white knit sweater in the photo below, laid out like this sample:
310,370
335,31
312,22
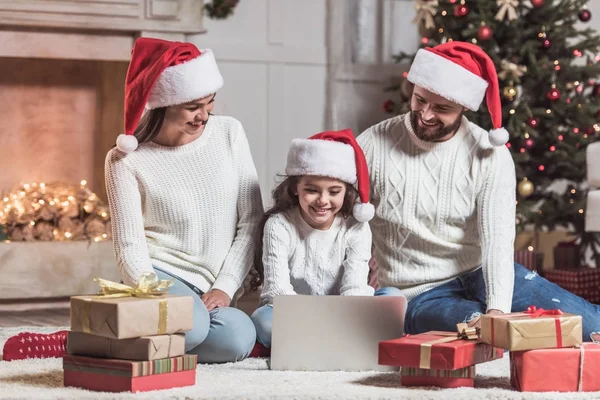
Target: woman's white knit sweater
299,259
191,210
442,209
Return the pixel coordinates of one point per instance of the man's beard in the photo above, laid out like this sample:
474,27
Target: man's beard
427,135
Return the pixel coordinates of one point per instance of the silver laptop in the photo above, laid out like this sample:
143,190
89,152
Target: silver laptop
334,333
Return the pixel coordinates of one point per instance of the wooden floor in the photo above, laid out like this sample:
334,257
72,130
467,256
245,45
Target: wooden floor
55,312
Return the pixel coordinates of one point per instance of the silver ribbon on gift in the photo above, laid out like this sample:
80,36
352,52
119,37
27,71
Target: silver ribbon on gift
507,7
426,10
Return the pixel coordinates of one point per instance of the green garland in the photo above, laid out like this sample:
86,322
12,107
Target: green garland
220,9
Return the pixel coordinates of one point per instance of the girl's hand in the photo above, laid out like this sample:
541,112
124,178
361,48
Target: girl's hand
215,298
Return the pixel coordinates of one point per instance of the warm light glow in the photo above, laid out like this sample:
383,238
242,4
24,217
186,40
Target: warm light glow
541,168
522,150
83,182
552,148
526,135
573,191
548,111
444,13
530,248
580,211
575,130
68,234
560,137
512,111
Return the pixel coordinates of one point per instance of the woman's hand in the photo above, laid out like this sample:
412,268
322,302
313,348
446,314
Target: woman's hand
215,298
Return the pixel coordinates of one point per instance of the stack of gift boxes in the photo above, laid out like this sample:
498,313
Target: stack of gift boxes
134,344
443,359
546,353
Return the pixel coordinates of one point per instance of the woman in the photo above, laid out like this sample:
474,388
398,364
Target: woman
184,194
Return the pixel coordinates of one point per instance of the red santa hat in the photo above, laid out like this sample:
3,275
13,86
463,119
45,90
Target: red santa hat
462,73
335,154
162,74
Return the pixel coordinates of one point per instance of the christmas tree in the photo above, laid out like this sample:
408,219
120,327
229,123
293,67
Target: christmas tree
549,69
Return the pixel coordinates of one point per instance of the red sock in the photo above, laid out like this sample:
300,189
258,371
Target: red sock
260,351
35,345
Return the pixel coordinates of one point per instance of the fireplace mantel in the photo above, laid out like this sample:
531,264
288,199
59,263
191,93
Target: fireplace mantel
92,29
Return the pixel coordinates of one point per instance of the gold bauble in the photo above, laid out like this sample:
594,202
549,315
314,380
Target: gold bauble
525,188
510,92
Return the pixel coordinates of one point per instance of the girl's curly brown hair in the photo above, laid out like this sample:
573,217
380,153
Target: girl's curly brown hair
284,199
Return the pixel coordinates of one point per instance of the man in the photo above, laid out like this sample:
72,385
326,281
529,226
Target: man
444,192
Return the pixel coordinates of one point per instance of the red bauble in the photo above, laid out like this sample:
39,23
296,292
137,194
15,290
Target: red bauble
584,15
461,10
553,94
537,3
485,33
388,106
596,91
533,122
589,131
546,43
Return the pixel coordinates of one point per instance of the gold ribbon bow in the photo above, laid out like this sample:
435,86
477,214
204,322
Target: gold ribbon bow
511,70
507,7
148,286
464,332
426,10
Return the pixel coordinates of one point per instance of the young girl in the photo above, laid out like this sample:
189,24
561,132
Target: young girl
315,239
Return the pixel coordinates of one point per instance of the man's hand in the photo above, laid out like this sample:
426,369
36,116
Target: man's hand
215,298
476,322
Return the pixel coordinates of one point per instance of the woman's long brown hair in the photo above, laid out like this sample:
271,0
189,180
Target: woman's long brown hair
284,199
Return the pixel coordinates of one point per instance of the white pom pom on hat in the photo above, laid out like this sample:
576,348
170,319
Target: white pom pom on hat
335,154
462,73
161,74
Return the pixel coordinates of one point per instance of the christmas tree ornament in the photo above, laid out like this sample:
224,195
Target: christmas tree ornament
506,8
596,91
510,70
461,10
510,92
546,43
525,188
537,3
553,94
533,122
484,32
584,15
388,106
426,10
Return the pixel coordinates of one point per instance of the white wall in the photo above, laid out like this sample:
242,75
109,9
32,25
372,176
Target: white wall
273,58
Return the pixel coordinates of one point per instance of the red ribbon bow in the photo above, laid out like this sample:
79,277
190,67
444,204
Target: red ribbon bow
536,312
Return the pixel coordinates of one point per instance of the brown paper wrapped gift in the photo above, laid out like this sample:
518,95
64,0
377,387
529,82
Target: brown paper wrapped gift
146,348
131,317
532,329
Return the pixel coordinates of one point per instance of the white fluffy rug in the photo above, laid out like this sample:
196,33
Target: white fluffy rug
251,379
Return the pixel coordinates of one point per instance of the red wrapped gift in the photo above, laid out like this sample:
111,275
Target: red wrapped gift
532,260
567,255
111,375
463,377
435,350
584,282
575,369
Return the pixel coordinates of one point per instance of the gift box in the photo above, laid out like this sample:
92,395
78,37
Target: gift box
108,375
567,255
532,329
131,317
584,282
435,350
142,349
532,260
462,377
556,370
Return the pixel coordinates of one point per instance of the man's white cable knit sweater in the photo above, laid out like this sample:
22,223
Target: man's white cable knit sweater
191,210
442,209
299,259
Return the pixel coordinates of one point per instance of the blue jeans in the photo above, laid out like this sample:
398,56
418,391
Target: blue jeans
464,299
263,317
222,335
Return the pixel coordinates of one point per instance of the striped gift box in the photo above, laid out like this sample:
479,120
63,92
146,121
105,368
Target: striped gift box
462,377
532,260
127,367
